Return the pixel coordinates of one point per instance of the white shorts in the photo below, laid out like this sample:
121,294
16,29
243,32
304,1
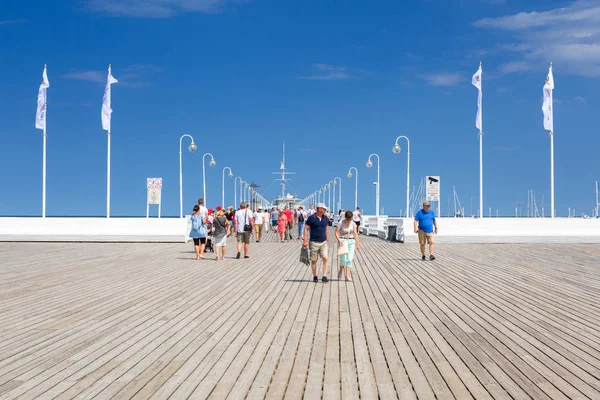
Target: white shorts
222,241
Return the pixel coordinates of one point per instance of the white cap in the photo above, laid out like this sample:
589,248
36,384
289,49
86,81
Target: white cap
322,205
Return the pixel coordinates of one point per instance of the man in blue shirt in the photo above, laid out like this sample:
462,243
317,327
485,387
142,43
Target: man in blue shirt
424,225
317,225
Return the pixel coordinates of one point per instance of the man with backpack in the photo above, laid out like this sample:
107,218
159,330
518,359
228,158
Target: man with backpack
301,220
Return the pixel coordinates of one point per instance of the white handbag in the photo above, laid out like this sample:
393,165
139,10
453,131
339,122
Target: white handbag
343,249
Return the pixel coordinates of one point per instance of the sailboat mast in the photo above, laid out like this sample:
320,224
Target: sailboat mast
283,173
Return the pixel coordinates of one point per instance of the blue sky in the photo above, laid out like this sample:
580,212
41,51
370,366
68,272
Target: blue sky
335,80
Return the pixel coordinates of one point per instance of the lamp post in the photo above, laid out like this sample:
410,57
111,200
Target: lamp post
235,203
242,191
396,149
230,174
212,163
355,186
339,206
192,148
329,195
369,165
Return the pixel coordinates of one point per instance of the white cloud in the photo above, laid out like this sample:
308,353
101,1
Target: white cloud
567,36
132,76
580,100
90,76
158,8
443,79
12,21
515,66
326,72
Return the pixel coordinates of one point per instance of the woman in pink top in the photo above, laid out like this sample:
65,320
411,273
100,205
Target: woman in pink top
282,225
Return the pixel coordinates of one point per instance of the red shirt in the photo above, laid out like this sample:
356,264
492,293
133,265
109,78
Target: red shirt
288,214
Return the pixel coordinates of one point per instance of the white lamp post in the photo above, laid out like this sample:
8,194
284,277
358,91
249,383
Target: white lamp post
212,163
355,186
230,174
235,203
242,191
396,149
369,165
339,205
192,148
329,193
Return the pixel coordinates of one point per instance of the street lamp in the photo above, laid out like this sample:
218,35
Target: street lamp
396,149
369,165
192,148
329,189
212,163
242,191
235,203
230,174
355,186
340,199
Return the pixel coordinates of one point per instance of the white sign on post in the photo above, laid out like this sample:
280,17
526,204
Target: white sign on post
432,190
154,186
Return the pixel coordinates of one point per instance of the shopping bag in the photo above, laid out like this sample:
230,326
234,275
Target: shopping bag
343,249
304,257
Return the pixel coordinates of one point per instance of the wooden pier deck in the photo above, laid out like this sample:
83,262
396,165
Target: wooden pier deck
120,321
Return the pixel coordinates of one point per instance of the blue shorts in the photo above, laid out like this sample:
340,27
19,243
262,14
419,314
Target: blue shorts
273,222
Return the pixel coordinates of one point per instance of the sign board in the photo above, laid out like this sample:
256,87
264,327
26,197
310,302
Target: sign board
432,185
154,186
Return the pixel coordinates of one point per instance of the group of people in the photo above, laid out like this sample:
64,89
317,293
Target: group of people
312,226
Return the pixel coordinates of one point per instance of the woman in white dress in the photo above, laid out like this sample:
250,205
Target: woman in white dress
346,234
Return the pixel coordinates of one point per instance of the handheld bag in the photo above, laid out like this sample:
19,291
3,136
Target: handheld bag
247,227
304,257
343,249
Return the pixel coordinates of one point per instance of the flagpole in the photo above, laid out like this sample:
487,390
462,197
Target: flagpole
481,160
108,166
44,138
552,153
44,175
108,178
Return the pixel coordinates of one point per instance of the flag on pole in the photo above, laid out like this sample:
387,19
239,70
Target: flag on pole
106,110
40,116
547,104
476,81
282,167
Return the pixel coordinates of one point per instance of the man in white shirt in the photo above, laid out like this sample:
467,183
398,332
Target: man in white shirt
244,221
258,224
311,210
203,210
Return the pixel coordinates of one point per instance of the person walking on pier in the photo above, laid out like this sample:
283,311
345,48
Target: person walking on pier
317,226
281,225
244,221
198,232
258,224
274,219
356,217
347,235
311,210
301,220
424,226
290,222
221,228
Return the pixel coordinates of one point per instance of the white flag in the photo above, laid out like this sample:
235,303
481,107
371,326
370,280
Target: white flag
476,81
106,110
40,116
547,106
282,167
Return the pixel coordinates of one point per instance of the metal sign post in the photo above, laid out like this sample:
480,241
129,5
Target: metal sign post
154,186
